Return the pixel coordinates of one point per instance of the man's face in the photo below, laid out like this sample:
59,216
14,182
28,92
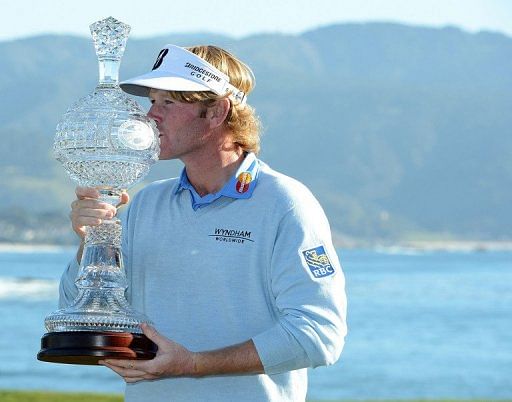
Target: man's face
182,129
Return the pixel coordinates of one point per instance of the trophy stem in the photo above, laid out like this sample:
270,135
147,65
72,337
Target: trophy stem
107,234
102,266
110,196
109,73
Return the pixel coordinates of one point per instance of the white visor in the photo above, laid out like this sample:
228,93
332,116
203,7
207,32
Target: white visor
177,69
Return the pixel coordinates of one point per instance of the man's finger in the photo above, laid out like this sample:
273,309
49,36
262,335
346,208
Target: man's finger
124,369
88,221
123,199
90,203
122,363
153,335
136,379
86,192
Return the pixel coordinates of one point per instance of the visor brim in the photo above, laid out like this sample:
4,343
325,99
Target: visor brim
141,85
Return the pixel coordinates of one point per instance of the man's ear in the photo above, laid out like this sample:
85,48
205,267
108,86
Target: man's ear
217,113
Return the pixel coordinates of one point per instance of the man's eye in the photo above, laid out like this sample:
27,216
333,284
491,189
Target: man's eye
152,101
168,102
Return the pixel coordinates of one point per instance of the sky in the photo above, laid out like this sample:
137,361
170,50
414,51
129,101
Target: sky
244,18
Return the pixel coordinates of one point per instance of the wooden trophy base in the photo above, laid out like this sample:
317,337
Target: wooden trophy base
88,347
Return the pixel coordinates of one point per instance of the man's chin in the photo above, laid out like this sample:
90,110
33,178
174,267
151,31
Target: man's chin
165,157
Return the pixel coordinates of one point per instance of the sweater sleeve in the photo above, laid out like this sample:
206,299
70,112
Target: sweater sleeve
67,289
307,287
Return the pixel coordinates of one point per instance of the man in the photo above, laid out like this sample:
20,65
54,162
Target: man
232,261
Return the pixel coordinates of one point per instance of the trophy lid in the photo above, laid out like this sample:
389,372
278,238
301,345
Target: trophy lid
109,36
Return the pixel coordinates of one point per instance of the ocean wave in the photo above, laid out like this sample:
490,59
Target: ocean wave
33,248
28,288
399,250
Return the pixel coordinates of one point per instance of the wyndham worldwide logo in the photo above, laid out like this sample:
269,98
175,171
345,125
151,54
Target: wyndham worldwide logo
318,262
234,236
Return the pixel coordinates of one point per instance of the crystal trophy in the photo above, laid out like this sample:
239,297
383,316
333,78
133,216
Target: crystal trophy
106,141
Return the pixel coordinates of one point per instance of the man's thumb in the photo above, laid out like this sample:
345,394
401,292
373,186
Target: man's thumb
152,334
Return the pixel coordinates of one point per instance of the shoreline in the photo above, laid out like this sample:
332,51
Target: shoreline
415,246
457,245
381,246
29,248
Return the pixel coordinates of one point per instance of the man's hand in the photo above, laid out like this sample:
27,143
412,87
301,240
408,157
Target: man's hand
87,210
171,360
174,360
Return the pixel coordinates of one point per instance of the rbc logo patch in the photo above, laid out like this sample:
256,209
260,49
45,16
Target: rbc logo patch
318,262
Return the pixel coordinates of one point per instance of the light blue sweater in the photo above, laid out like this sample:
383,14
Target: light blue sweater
262,268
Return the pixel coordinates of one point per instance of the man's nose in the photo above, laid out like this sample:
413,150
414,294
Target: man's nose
153,113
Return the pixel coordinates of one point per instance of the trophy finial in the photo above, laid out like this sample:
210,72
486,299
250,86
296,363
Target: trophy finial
109,36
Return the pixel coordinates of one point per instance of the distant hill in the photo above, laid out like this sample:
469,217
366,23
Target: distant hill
402,132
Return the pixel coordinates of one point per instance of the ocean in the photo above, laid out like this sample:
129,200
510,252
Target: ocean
421,325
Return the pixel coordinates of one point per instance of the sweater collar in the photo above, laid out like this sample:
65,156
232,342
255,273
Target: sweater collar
239,186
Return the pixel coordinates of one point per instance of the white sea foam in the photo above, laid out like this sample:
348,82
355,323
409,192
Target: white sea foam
28,288
398,250
32,248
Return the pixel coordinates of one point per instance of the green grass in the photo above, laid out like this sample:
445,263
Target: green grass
44,396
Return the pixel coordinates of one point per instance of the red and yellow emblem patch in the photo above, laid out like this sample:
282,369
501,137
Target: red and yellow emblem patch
243,183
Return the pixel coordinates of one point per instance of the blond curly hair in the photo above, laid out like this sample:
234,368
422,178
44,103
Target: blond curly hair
241,120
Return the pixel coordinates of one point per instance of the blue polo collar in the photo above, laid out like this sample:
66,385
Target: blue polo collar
241,184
